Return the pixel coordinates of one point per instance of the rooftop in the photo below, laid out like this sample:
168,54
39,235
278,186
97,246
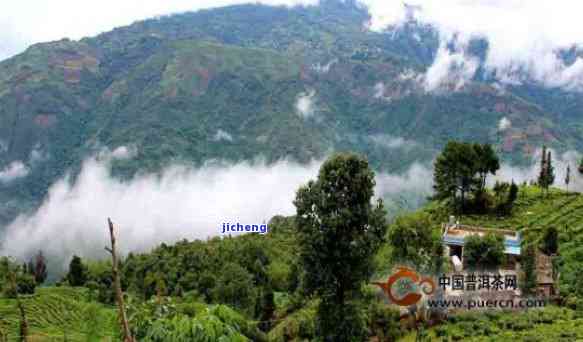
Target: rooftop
455,234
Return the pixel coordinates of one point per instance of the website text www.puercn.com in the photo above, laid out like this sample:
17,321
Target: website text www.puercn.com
463,303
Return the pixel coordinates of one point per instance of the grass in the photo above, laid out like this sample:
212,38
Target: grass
534,210
532,213
548,324
58,313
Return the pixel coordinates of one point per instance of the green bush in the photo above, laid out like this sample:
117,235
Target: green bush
25,283
384,322
279,274
484,251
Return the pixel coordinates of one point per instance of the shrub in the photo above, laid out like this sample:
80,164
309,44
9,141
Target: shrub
550,241
484,251
77,275
25,283
384,322
441,331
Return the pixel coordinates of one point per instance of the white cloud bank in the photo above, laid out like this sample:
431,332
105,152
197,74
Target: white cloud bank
179,203
182,202
524,36
450,70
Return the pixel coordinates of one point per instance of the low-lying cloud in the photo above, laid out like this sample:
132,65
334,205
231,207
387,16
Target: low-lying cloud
123,152
13,171
524,36
390,142
450,70
530,173
222,135
305,104
504,124
180,202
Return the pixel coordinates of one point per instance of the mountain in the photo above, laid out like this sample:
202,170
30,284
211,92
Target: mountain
242,82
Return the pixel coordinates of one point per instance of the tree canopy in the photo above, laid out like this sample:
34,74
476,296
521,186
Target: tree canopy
77,275
339,232
418,241
462,168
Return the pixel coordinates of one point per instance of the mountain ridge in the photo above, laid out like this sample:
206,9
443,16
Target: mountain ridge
169,86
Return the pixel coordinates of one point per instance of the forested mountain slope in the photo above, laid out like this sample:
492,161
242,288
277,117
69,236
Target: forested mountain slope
249,81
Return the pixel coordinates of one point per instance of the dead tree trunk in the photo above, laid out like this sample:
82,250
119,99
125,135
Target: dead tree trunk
117,284
23,321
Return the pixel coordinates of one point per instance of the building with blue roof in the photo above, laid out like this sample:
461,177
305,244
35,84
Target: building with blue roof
454,236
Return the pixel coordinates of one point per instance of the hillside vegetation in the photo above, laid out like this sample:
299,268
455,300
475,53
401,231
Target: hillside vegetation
224,84
258,276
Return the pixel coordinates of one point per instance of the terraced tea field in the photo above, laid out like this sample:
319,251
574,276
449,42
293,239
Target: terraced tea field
59,313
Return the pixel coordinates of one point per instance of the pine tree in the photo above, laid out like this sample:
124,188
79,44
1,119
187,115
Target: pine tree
546,176
543,165
512,196
528,258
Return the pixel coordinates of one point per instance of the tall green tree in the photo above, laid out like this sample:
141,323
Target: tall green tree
546,176
340,229
463,168
487,163
455,171
512,196
528,257
235,287
77,275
